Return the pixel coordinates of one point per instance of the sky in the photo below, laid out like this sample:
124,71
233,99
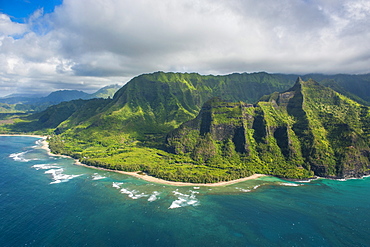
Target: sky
49,45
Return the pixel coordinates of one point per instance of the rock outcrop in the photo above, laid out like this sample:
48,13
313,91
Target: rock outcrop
305,131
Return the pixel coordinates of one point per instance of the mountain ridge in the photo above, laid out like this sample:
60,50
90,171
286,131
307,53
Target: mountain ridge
36,103
284,134
309,130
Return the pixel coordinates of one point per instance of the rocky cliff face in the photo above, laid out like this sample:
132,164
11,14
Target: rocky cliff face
307,130
304,131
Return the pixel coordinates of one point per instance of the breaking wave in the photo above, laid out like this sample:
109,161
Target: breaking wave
116,185
97,176
38,143
20,157
133,194
59,177
243,190
184,200
290,184
256,187
153,196
45,166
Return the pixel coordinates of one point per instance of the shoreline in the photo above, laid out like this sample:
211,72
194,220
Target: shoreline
152,179
37,136
141,175
45,146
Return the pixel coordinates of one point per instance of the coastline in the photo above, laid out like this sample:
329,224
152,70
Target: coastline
149,178
37,136
138,174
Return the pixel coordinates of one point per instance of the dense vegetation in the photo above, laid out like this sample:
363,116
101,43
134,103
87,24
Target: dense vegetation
175,126
308,130
356,87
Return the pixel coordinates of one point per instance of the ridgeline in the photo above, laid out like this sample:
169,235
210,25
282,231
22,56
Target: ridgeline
193,128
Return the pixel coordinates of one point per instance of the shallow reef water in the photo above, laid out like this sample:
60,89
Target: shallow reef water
48,201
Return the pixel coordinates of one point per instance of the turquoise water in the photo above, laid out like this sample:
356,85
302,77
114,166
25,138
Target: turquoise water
48,201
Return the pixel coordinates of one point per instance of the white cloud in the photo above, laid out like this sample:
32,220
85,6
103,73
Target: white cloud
7,27
106,41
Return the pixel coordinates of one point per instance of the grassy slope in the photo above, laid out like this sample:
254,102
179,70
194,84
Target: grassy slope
340,132
128,132
307,130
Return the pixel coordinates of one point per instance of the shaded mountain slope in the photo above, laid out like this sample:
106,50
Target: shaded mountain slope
309,129
349,85
54,115
37,104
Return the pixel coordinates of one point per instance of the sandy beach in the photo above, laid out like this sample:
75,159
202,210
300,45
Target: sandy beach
148,178
37,136
138,174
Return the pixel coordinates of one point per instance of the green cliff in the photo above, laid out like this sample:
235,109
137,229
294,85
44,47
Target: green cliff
175,126
307,130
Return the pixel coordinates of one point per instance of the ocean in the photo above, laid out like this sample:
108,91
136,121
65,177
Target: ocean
48,201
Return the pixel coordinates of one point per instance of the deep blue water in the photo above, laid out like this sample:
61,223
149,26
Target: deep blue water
49,201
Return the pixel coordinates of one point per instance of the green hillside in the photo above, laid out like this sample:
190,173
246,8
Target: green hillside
23,104
356,87
309,129
53,116
151,105
175,126
105,92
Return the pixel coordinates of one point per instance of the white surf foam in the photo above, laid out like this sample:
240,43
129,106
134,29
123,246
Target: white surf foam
242,190
38,143
97,176
290,184
59,177
19,157
307,181
45,166
255,187
116,185
134,194
184,200
153,196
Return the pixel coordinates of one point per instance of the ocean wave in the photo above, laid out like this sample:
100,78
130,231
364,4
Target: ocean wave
97,176
153,196
256,187
184,200
133,194
45,166
116,185
290,184
350,178
59,177
307,181
19,157
243,190
38,143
